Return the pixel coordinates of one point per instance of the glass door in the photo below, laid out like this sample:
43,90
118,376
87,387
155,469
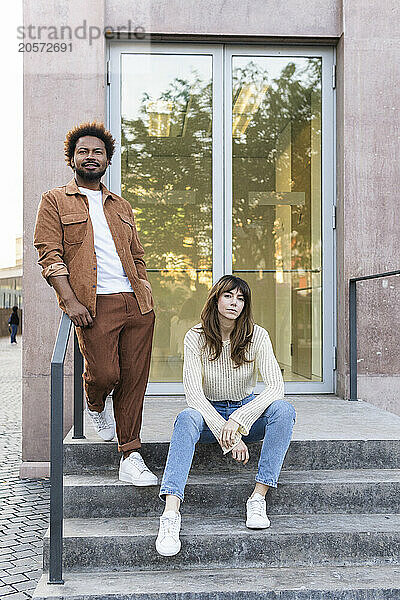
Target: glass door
226,155
168,121
279,197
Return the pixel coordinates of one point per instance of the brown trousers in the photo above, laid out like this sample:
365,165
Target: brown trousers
117,351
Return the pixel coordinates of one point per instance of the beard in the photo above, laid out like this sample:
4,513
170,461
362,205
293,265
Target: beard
90,175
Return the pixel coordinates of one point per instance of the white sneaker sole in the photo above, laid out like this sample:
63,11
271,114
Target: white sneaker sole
137,482
106,439
166,553
250,525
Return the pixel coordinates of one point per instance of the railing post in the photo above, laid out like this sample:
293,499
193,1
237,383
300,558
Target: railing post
78,391
353,338
56,451
56,473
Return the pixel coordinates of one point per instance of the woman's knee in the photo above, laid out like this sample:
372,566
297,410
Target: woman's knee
190,417
283,409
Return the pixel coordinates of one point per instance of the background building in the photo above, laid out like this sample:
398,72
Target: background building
254,137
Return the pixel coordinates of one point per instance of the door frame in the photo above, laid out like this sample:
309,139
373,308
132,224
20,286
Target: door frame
222,173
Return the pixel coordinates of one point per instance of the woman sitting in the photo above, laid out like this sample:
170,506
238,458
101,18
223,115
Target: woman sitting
222,356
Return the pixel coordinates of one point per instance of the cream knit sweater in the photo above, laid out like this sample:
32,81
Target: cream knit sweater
208,381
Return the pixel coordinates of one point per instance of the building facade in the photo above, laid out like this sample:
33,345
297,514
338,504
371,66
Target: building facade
253,138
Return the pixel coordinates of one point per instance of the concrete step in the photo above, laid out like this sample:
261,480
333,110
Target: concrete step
89,456
315,583
329,433
222,542
299,492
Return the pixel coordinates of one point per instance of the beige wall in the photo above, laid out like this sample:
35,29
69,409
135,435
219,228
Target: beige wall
292,18
64,89
378,347
60,90
368,192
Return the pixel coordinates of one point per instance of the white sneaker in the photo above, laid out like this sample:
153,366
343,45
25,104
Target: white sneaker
256,508
168,542
133,470
103,423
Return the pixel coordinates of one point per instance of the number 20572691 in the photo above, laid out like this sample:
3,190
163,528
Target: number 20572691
45,47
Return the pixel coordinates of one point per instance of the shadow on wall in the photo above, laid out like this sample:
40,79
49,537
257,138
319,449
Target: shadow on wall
4,316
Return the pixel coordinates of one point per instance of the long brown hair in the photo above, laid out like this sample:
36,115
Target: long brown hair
243,330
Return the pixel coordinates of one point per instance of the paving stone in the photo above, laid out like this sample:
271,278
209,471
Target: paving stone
34,574
7,565
6,559
30,539
9,579
17,570
24,546
25,586
6,589
39,523
9,543
24,554
24,503
7,539
32,561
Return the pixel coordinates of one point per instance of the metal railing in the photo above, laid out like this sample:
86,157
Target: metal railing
353,326
57,436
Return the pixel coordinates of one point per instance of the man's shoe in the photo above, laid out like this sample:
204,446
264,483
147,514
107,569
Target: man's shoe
168,542
256,508
103,423
133,470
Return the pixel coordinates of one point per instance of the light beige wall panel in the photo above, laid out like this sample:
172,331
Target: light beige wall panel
382,391
368,175
60,90
224,17
35,430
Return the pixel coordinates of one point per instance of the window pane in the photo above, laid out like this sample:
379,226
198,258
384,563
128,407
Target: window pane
166,174
276,131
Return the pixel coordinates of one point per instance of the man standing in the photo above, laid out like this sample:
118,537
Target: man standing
13,323
90,253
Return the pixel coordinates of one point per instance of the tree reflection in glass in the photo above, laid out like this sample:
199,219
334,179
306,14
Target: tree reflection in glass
276,155
166,163
166,147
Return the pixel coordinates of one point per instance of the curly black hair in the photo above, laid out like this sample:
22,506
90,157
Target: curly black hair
96,130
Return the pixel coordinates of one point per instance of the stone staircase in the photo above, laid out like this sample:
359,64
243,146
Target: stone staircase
335,517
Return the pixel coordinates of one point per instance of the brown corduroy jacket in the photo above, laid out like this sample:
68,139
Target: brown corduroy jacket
64,239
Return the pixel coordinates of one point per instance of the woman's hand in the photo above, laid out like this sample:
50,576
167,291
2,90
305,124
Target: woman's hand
228,434
241,452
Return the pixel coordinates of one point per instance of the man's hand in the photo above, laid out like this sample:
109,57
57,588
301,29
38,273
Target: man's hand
228,434
241,453
79,314
147,284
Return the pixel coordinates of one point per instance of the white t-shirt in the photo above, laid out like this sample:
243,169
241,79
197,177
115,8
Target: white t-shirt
111,277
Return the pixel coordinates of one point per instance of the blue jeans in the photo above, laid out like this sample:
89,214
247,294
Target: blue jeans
14,329
274,426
